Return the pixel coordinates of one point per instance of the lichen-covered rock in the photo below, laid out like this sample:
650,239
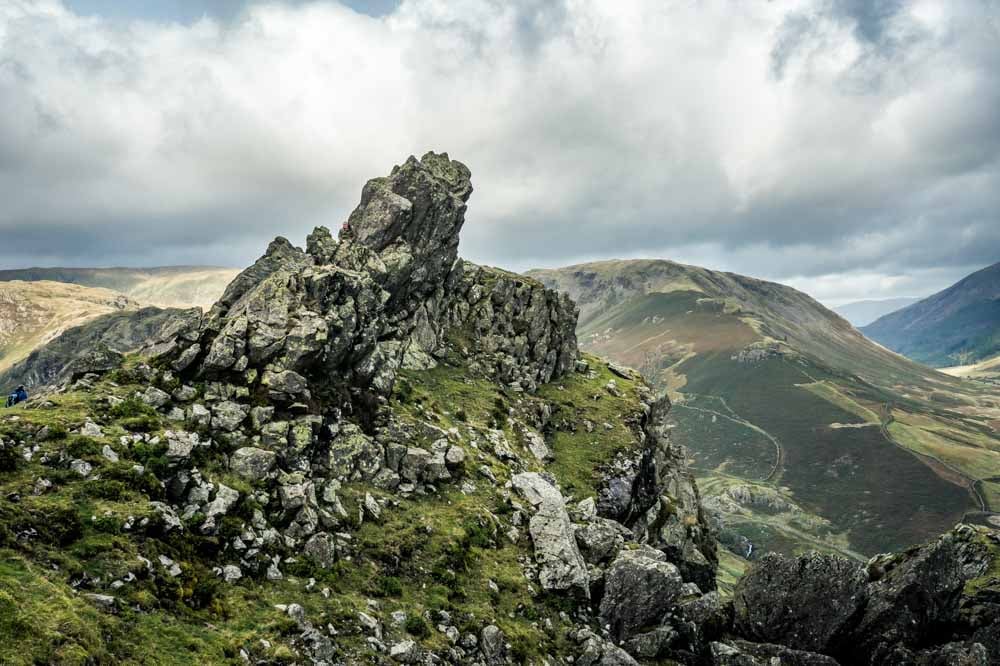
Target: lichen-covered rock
742,653
561,565
252,463
639,588
600,540
321,548
928,592
808,603
596,651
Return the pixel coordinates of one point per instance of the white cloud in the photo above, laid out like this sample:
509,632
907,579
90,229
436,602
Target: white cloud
592,129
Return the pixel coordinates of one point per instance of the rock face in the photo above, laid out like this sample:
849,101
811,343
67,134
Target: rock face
930,605
656,496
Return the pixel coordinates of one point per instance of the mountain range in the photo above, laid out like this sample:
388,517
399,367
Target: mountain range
39,304
957,326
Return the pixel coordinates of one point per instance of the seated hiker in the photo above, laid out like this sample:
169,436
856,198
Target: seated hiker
19,395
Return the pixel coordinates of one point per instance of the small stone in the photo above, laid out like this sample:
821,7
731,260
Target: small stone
91,429
81,467
109,454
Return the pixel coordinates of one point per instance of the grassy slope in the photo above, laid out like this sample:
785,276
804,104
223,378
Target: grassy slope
428,553
808,422
32,313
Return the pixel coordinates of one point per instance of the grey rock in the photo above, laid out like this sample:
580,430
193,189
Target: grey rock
807,603
413,464
493,645
600,540
225,499
321,548
252,463
231,573
156,398
596,651
228,415
91,429
81,467
742,653
180,444
199,415
405,652
638,590
561,565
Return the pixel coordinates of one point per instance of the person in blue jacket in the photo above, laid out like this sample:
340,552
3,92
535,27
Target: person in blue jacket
19,395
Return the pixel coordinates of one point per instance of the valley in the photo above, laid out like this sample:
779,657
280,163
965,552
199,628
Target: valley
857,449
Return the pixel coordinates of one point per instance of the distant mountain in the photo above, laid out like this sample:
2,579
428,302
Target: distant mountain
804,433
957,326
862,313
165,287
32,313
38,304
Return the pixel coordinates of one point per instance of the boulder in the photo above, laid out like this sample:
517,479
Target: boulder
493,645
561,566
810,602
321,548
600,540
228,415
252,463
639,588
742,653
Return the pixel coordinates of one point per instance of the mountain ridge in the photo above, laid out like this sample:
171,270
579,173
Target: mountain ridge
756,370
958,325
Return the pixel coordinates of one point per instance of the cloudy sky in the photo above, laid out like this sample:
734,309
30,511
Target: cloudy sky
848,147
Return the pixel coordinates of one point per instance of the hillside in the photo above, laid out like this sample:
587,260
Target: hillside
803,433
957,326
862,313
33,313
165,287
368,451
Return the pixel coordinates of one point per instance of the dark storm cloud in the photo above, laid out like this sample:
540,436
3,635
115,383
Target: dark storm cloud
851,148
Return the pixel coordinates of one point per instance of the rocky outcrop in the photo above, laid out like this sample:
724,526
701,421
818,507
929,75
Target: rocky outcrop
329,328
808,603
278,433
655,495
933,604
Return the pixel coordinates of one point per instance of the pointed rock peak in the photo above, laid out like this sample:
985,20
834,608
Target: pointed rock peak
421,203
321,245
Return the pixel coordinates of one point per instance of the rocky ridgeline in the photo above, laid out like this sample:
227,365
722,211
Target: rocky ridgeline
289,377
286,420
